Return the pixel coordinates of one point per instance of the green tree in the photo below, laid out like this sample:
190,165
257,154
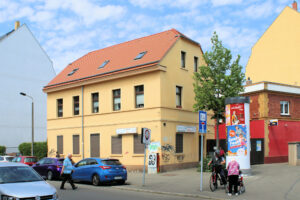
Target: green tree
40,149
2,150
219,78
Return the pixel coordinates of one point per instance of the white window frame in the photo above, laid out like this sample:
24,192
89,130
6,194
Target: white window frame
285,112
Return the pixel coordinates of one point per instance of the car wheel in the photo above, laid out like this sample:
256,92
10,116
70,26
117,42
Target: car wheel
50,175
121,182
96,180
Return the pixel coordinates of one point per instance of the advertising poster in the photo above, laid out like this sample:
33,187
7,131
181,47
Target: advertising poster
258,145
237,140
227,115
237,115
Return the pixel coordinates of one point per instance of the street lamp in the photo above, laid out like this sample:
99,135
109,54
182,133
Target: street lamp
32,121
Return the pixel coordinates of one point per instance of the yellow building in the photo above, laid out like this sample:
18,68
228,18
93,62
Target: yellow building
98,104
275,56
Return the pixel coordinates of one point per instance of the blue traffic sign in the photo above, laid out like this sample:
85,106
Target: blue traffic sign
202,121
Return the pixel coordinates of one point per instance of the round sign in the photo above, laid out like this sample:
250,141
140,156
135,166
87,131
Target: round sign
147,134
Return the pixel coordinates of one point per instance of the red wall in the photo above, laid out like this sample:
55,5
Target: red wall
274,106
280,135
257,129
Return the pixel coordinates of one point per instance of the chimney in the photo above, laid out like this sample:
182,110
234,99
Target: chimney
248,82
294,5
17,25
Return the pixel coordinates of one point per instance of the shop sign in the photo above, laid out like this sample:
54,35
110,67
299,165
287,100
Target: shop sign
186,129
121,131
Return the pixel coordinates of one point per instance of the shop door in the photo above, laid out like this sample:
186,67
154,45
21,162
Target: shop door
257,151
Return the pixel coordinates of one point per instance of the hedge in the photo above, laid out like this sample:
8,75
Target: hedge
40,149
2,150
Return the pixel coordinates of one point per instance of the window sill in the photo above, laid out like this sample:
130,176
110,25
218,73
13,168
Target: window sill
179,154
285,115
116,155
184,69
76,155
179,107
138,155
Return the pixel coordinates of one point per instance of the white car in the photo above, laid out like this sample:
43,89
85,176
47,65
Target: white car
6,158
19,181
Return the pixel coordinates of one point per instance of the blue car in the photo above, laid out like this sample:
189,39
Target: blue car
96,171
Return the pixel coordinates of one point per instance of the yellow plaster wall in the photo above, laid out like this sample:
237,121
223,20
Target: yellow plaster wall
275,56
160,108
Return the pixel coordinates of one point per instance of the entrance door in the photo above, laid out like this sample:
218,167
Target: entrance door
257,151
95,145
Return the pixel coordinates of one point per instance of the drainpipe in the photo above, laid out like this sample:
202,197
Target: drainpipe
82,131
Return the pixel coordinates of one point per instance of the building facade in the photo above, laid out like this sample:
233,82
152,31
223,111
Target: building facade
25,67
274,120
98,104
274,57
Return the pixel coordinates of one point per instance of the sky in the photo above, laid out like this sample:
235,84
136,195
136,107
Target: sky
69,29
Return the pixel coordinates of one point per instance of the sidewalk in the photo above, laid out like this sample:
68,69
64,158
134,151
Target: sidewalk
267,182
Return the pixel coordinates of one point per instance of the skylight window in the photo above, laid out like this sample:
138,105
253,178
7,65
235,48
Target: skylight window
103,64
72,72
140,55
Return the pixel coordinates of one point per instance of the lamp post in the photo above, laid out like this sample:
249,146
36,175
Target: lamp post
32,121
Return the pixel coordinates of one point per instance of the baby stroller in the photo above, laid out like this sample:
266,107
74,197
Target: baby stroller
241,186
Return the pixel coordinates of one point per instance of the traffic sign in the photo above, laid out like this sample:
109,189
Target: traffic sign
146,136
202,121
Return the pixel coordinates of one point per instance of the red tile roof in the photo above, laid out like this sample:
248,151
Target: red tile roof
120,56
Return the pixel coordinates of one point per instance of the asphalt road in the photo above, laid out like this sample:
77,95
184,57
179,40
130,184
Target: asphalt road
89,192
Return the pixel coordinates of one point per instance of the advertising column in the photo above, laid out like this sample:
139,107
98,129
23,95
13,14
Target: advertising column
238,131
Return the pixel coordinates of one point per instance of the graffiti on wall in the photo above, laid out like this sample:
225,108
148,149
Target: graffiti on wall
165,157
168,148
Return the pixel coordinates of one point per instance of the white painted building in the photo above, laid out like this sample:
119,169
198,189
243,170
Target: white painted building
24,67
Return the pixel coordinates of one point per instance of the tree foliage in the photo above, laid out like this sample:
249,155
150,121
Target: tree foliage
220,78
40,149
2,150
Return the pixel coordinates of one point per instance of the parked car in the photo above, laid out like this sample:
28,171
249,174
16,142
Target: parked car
6,158
49,167
96,171
28,160
19,181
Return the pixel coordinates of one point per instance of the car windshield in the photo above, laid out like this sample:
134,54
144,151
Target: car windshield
1,158
29,160
111,162
17,174
9,158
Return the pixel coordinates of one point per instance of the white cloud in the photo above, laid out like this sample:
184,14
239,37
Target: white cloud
225,2
159,4
257,11
42,16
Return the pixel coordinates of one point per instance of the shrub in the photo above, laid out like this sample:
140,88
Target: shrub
40,149
205,167
2,150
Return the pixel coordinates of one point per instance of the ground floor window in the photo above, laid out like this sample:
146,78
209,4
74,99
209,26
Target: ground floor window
179,143
60,144
137,145
95,145
116,144
75,144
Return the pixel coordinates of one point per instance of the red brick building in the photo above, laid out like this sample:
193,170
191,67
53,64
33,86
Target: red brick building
277,103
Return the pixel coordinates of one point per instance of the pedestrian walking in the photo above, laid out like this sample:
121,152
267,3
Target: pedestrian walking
233,176
66,173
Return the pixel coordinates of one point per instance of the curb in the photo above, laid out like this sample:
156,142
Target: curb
167,193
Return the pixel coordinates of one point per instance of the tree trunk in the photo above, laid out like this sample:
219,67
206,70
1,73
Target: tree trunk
217,136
